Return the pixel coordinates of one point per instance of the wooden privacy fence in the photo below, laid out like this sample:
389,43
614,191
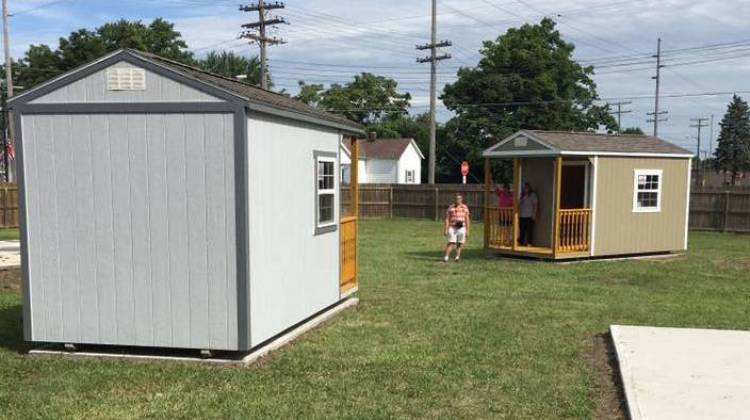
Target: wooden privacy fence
8,205
709,209
726,211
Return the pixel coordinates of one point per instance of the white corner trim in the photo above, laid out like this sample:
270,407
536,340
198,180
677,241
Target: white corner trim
687,200
638,172
594,183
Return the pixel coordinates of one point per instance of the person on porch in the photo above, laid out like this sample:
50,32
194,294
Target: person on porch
457,225
504,196
528,208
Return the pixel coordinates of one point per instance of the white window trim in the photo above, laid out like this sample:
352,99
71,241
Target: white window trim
326,226
640,172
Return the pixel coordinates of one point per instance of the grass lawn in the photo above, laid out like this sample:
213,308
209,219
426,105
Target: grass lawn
8,234
481,339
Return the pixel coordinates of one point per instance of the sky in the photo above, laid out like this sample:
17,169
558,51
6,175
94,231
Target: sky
330,40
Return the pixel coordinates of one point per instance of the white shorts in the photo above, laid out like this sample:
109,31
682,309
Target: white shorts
456,236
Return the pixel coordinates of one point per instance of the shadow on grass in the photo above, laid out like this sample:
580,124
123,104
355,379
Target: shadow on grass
607,390
437,255
11,329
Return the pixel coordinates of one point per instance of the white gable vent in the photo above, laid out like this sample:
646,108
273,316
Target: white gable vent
126,78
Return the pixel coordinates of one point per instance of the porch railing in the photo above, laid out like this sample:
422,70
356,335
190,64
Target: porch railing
500,226
574,230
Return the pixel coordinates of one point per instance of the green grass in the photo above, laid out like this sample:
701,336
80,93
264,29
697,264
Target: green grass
485,338
8,234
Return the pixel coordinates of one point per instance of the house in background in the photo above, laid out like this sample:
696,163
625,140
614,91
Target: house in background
384,161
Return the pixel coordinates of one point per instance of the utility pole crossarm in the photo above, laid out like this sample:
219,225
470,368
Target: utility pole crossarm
433,59
259,28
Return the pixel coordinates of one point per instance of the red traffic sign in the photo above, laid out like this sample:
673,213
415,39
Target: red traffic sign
464,168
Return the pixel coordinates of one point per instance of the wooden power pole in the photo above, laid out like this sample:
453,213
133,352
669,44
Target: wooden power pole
619,113
656,114
8,129
258,32
433,60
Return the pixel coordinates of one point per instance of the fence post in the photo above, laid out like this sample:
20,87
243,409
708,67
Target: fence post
390,202
437,198
725,220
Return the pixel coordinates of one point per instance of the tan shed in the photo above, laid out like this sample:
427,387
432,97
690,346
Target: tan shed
595,195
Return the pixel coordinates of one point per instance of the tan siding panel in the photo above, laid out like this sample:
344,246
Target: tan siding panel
621,231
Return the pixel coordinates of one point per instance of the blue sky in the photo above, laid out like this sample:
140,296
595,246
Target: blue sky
331,40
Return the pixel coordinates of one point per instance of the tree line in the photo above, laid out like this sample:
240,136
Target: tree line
526,78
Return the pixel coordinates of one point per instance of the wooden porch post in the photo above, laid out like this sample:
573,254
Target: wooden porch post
558,187
516,199
486,210
354,182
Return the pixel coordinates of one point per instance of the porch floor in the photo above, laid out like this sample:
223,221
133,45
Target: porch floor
536,252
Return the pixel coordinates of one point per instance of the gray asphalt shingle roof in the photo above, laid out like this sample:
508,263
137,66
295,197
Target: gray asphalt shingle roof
248,91
607,143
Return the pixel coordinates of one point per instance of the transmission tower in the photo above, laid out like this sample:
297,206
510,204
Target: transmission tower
257,32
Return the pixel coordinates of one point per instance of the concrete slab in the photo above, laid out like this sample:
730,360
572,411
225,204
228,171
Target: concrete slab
10,245
684,373
237,359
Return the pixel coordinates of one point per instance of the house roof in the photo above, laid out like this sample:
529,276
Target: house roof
293,108
387,149
586,143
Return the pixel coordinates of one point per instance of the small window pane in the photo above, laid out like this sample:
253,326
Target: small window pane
325,208
325,176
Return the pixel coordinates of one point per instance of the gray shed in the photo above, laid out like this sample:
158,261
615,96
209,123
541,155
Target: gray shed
163,206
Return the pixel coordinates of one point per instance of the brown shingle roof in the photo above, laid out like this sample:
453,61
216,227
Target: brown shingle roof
606,143
390,149
248,91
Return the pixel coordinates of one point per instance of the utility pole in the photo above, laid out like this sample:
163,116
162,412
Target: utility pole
619,113
433,60
258,32
699,124
656,112
711,137
8,131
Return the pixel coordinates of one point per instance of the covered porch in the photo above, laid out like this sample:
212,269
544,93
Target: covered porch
563,225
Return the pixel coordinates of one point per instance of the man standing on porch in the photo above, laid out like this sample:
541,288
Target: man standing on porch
528,208
457,225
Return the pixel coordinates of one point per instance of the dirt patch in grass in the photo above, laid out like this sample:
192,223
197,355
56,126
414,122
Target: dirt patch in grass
10,278
607,392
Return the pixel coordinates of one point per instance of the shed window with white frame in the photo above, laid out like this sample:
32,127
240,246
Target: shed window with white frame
325,191
647,190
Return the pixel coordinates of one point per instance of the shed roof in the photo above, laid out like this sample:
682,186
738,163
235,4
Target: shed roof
388,149
586,143
293,108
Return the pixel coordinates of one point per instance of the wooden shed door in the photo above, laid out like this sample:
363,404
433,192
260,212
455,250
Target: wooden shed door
348,251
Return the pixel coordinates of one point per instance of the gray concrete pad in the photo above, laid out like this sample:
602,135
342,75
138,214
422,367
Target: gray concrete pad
236,359
684,373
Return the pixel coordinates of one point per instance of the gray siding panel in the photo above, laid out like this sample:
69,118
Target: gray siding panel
132,229
93,88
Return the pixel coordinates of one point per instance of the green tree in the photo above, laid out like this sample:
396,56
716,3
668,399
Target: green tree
733,151
633,131
526,79
41,62
368,99
229,64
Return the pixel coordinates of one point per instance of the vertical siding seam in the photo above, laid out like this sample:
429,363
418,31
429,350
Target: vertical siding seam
227,231
166,202
96,249
57,237
114,249
37,200
148,228
205,238
130,228
187,220
75,236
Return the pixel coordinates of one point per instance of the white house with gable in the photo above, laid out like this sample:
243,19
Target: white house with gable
384,161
